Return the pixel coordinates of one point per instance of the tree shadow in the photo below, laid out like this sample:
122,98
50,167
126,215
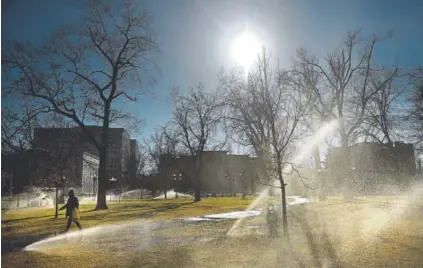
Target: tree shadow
23,219
15,242
319,243
417,249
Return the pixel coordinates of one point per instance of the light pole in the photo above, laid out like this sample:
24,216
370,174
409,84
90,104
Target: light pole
351,184
10,173
228,178
177,178
321,184
59,182
95,185
112,181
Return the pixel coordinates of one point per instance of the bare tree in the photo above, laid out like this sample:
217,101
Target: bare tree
81,73
162,142
415,117
383,111
266,113
136,165
347,83
197,116
47,165
307,78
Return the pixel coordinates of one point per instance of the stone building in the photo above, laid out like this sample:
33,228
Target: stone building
374,158
62,141
368,168
220,172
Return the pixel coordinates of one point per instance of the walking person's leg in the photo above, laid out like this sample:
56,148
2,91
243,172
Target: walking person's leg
78,224
68,225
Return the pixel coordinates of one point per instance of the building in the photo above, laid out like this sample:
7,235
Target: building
379,158
42,169
134,162
369,167
88,172
220,172
62,141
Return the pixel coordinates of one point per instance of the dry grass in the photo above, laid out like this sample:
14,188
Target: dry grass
41,221
325,234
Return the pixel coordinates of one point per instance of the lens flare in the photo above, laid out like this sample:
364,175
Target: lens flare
323,132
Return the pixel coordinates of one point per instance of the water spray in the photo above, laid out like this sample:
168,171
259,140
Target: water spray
318,138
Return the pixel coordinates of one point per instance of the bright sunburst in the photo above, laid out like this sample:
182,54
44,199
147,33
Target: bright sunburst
245,49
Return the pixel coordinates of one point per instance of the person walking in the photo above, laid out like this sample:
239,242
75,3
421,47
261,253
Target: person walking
72,211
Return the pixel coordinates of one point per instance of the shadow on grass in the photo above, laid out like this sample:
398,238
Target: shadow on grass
130,212
23,219
179,257
417,249
322,250
18,241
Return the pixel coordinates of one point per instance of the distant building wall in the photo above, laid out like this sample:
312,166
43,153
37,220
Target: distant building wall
220,172
53,139
371,165
89,173
374,157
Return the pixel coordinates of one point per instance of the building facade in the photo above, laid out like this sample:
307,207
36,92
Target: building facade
220,172
89,173
374,158
63,142
369,167
41,169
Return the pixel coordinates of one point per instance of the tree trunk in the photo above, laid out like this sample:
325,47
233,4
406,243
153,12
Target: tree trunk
284,214
56,205
197,197
317,164
102,181
343,133
283,197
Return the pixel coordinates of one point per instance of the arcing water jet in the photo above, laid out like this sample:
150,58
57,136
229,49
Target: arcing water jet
307,149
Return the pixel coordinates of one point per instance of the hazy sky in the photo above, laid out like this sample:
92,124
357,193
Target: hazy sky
195,36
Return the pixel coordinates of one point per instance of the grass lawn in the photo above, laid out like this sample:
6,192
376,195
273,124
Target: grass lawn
329,233
40,221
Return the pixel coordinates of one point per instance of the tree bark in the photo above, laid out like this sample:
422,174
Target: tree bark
197,197
317,163
283,198
102,181
284,214
56,205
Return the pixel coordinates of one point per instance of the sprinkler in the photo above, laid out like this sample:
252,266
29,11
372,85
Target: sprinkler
272,219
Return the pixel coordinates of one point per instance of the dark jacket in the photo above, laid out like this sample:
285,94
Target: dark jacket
70,205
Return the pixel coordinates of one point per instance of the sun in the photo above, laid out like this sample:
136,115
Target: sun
245,49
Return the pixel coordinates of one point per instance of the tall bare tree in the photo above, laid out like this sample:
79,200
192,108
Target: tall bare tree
266,113
383,111
347,82
416,113
81,73
307,79
162,142
197,115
